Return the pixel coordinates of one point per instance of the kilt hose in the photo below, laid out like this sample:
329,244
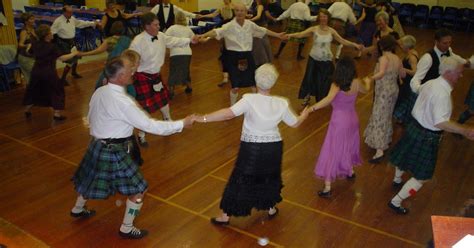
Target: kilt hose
109,167
151,91
417,151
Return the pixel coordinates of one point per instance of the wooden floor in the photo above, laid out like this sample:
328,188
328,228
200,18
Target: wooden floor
187,173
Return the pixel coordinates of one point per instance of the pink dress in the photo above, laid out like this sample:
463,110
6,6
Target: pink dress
341,147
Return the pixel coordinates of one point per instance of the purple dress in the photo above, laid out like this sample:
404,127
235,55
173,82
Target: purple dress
341,147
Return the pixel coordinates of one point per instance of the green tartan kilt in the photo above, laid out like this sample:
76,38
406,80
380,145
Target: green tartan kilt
296,26
417,151
470,97
106,169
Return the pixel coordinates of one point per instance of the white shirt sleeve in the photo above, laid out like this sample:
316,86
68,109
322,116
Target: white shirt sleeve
240,107
307,15
81,23
55,26
186,13
140,120
289,117
284,15
221,32
457,57
421,69
441,110
352,19
176,42
155,9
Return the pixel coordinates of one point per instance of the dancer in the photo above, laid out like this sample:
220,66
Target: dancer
406,97
320,68
27,37
113,15
368,27
108,167
256,179
341,15
45,88
166,12
64,29
152,93
341,147
261,49
378,133
298,13
238,35
417,150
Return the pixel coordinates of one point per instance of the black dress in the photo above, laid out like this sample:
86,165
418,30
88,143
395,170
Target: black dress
45,88
111,21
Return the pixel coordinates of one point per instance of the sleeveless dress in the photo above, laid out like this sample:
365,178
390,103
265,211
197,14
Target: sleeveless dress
318,75
378,133
406,98
341,147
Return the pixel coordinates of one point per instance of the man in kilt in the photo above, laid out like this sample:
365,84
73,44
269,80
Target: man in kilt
64,31
108,165
238,58
417,150
299,15
341,15
151,44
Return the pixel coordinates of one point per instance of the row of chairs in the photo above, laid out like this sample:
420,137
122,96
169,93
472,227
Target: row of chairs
436,16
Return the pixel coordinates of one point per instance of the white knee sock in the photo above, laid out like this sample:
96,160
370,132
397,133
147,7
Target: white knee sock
233,97
165,111
132,210
409,189
398,175
79,206
338,50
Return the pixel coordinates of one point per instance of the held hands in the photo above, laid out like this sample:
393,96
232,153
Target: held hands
367,80
360,47
306,111
201,118
469,133
189,120
283,36
195,39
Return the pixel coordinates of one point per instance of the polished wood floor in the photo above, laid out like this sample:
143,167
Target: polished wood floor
187,173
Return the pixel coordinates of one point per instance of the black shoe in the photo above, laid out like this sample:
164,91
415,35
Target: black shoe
376,160
188,90
28,115
276,56
271,216
59,118
135,233
75,75
142,142
397,185
86,213
323,194
219,223
398,210
351,177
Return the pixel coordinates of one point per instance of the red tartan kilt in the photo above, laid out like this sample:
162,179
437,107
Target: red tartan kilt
148,98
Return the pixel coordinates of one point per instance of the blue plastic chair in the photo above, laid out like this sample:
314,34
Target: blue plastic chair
58,5
450,16
435,16
422,12
396,6
49,4
463,18
406,13
5,71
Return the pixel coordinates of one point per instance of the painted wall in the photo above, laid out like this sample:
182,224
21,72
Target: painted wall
98,4
7,33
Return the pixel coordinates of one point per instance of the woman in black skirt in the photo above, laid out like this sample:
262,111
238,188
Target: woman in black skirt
45,88
256,179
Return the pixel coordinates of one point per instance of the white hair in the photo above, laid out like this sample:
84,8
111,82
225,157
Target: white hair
448,64
408,41
266,76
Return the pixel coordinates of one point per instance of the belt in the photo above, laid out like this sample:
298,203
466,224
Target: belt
115,141
417,124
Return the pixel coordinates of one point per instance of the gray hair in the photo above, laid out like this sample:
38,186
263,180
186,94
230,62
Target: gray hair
266,76
382,14
408,41
448,64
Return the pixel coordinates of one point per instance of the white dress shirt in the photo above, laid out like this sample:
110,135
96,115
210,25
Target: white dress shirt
262,114
67,30
114,114
424,66
240,38
433,105
180,31
342,11
153,53
166,11
299,11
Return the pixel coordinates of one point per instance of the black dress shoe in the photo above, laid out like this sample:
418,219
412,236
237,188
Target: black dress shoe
75,75
28,115
135,233
324,194
351,177
219,223
59,118
397,185
188,90
398,210
271,216
86,213
376,160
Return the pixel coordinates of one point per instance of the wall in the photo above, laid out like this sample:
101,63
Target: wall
98,4
7,33
444,3
19,4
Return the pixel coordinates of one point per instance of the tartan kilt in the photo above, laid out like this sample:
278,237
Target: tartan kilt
296,26
404,107
244,77
417,151
148,98
106,169
470,97
65,45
